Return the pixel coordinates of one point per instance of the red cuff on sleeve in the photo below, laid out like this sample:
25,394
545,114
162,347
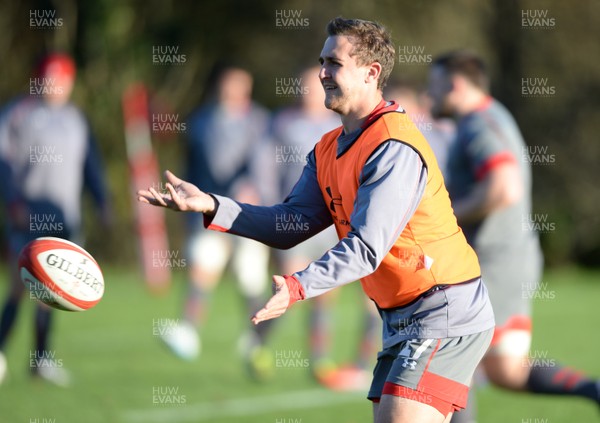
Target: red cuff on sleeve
296,289
209,225
208,219
492,162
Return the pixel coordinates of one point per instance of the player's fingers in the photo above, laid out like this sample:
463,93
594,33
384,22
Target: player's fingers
263,313
258,316
146,197
275,307
266,314
144,193
172,178
158,197
176,198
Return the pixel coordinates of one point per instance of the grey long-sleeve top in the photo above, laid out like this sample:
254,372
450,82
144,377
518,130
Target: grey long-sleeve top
391,186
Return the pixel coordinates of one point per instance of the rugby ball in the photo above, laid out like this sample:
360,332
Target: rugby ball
61,274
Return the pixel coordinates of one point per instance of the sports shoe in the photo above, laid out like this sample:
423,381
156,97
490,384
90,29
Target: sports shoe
322,367
258,358
53,373
260,363
346,379
3,367
183,340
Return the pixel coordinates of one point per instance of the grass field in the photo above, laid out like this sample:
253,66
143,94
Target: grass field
118,365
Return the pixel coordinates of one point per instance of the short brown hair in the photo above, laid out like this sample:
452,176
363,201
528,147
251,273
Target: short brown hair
371,43
467,64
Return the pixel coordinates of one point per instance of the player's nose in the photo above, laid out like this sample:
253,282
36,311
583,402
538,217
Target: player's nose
323,72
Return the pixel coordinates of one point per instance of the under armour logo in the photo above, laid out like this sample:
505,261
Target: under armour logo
335,201
409,363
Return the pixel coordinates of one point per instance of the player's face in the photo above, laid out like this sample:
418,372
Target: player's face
235,89
341,77
58,88
439,90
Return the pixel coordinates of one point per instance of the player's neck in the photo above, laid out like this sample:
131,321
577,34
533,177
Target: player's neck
472,101
355,118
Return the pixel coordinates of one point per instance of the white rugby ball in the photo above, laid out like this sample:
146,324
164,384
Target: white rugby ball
61,274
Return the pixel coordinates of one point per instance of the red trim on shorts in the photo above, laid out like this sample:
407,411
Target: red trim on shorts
440,405
432,354
443,394
448,390
493,162
514,322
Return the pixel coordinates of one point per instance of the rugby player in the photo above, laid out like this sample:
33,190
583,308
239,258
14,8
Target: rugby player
376,179
47,156
489,181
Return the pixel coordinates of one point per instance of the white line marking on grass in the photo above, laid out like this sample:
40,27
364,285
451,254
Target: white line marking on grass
242,407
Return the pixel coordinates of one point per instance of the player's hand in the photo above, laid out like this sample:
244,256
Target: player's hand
181,196
278,303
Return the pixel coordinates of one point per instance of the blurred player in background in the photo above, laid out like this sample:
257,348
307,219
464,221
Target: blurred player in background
439,132
224,136
295,132
377,180
47,155
489,182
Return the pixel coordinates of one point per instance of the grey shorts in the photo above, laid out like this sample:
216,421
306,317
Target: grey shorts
437,372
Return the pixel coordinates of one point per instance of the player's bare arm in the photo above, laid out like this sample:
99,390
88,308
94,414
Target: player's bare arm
500,188
181,196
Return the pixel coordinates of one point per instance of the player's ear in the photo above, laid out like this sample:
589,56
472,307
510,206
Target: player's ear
373,72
